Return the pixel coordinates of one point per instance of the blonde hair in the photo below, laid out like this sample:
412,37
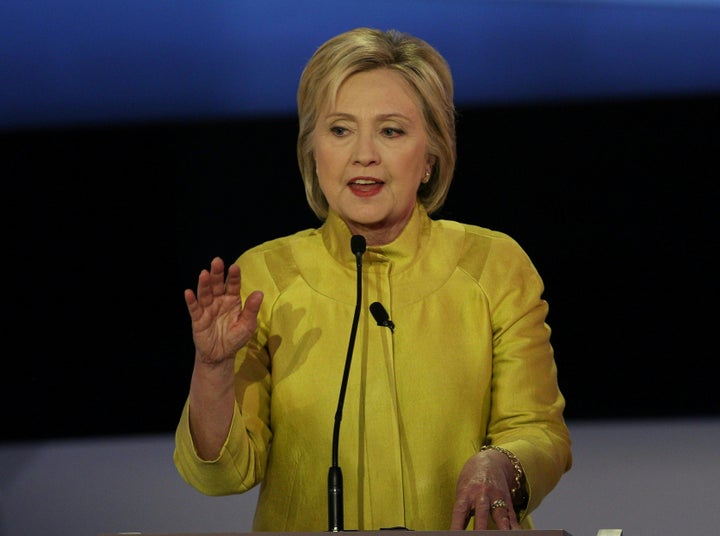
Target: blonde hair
365,49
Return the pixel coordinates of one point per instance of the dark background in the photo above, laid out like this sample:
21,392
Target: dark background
616,202
614,196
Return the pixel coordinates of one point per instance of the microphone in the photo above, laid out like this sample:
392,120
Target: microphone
381,316
335,480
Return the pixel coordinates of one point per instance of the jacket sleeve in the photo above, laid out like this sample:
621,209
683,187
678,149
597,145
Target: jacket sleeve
527,406
243,458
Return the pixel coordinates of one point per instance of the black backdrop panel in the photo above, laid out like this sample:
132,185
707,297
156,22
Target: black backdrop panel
615,201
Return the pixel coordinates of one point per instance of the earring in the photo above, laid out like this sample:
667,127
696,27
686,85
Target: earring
426,178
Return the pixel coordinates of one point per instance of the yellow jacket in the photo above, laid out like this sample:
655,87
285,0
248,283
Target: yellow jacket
469,363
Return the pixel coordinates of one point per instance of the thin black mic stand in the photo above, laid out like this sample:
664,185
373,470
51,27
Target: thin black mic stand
335,480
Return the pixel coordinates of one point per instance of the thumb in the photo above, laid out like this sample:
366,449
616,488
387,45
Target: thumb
253,302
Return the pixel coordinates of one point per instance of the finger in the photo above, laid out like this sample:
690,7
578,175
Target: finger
514,523
232,282
482,513
204,293
501,518
460,515
253,302
217,276
191,301
504,515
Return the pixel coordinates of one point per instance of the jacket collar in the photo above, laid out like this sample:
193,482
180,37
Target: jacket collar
401,253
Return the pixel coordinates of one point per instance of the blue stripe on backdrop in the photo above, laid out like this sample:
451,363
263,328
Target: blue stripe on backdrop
80,61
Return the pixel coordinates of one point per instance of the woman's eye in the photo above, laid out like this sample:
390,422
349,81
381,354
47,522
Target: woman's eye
338,131
392,132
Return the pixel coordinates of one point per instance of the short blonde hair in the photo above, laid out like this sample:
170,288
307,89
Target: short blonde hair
364,49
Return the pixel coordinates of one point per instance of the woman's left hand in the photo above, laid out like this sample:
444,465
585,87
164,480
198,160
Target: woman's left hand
483,491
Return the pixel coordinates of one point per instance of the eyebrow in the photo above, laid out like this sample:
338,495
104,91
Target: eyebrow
382,117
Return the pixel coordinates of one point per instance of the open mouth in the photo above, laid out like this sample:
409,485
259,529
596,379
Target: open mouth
365,186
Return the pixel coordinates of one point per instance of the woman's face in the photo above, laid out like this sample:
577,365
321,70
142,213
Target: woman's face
371,154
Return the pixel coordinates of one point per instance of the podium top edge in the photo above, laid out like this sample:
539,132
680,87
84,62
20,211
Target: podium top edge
384,532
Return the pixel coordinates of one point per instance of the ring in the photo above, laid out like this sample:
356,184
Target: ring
498,503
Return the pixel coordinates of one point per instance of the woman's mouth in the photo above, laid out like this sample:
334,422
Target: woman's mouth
365,187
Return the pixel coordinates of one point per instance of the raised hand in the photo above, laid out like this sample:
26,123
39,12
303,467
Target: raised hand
221,325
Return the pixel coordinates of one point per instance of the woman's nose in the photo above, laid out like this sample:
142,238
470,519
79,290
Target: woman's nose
365,150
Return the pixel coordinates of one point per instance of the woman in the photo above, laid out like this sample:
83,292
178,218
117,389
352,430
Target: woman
451,420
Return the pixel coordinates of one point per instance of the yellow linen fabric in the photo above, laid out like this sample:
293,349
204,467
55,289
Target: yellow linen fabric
470,362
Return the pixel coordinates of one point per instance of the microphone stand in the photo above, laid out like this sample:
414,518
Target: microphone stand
335,479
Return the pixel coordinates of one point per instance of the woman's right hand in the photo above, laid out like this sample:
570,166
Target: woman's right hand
221,325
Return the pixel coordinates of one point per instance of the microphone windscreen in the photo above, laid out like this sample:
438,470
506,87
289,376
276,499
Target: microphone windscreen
357,244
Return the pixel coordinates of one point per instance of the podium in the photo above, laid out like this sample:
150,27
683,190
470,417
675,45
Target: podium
383,532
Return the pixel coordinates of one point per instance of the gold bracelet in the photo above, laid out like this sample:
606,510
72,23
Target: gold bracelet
519,474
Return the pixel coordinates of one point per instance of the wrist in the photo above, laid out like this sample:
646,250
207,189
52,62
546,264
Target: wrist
518,490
